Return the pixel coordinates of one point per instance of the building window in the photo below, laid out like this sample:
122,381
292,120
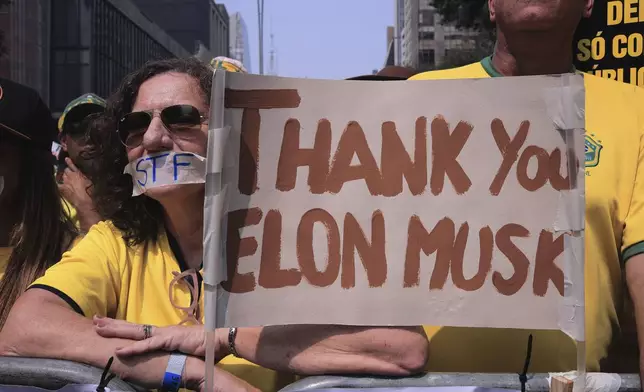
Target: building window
426,35
426,17
124,48
426,58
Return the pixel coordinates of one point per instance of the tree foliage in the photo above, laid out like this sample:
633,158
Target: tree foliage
472,14
467,14
483,47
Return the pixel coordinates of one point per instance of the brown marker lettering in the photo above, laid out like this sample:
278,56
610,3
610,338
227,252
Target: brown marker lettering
372,253
252,101
440,240
509,149
249,152
261,99
237,247
545,269
316,158
543,165
396,162
353,142
271,274
518,259
445,150
305,256
486,243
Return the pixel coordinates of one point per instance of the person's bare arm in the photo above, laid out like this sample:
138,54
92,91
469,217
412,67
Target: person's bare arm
302,349
324,349
635,282
42,325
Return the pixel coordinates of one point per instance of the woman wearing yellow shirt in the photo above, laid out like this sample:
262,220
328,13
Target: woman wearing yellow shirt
153,243
34,228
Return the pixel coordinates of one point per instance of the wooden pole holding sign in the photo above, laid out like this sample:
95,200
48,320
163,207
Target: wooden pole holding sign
212,233
610,43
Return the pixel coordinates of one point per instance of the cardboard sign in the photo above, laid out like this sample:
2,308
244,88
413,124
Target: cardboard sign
456,203
611,43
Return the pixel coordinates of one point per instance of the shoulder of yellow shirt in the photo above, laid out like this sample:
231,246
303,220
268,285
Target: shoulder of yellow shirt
608,87
102,229
105,229
477,70
474,70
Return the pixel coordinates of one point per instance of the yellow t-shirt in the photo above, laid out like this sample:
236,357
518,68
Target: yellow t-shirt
614,226
5,253
101,275
71,212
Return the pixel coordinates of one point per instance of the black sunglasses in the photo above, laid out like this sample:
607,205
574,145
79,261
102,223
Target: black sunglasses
176,118
80,128
72,125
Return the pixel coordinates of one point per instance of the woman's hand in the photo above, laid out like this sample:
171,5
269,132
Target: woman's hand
188,340
76,188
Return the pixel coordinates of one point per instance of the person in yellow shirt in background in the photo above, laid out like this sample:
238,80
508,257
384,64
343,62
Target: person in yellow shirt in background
73,126
34,229
535,38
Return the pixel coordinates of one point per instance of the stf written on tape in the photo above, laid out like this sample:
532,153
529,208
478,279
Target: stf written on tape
164,169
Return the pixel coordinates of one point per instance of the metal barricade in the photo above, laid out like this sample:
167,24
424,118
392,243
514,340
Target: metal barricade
536,382
53,374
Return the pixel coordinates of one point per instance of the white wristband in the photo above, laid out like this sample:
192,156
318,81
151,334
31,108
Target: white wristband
173,373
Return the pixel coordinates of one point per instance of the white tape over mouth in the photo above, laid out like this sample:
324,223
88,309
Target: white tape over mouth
166,168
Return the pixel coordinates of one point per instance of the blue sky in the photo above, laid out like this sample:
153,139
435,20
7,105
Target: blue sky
322,39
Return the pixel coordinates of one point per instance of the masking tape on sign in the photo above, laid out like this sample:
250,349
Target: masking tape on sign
566,104
217,179
214,226
566,107
217,183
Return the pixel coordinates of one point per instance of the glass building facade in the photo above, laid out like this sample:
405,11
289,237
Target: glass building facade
96,43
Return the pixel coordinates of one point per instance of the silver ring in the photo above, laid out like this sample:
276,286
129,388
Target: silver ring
147,331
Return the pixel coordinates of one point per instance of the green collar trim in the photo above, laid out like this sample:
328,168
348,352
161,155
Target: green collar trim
487,65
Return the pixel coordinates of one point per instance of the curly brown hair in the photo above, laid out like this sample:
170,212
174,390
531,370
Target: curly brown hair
139,218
